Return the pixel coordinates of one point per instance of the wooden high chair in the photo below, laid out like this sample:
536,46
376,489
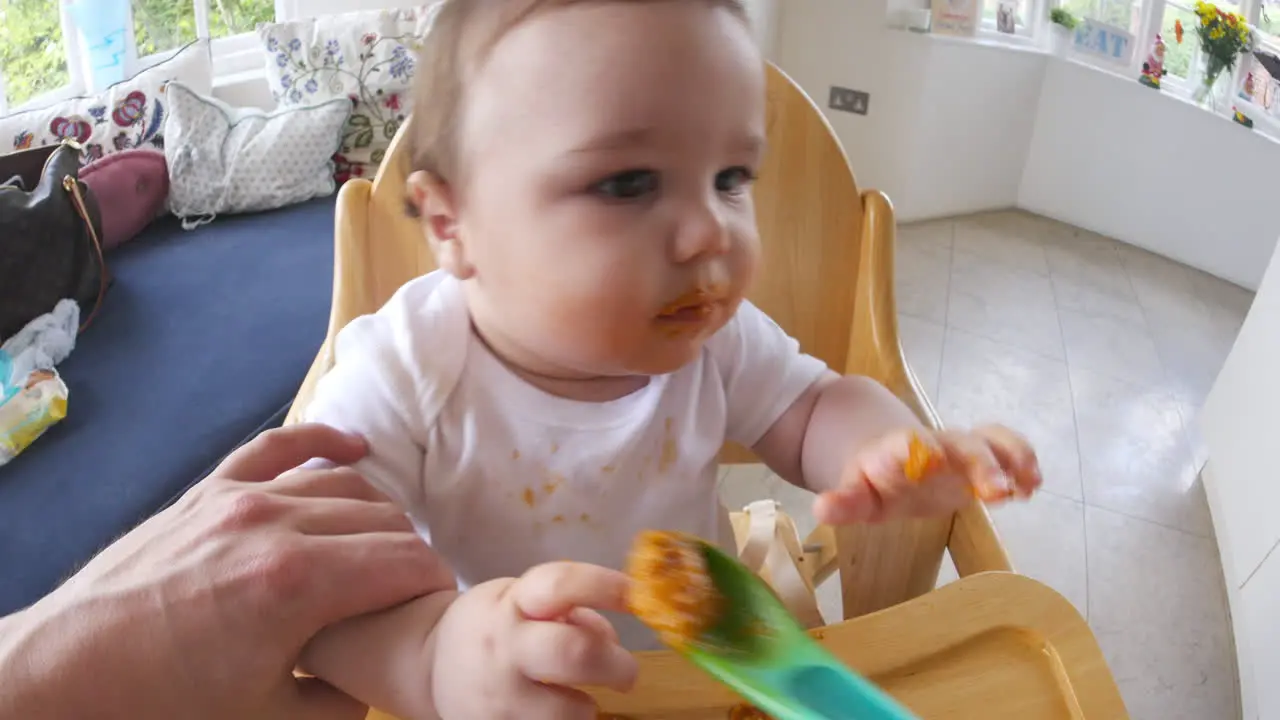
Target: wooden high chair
992,644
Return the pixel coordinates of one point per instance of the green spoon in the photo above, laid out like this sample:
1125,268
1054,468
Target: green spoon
758,649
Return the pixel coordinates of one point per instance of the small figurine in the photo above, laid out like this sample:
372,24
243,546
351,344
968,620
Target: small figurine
1153,67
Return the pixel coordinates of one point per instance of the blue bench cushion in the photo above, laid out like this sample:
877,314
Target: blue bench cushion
203,339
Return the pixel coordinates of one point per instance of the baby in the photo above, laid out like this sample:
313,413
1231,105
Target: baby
583,172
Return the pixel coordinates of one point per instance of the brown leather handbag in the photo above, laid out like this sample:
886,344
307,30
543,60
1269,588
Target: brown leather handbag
49,237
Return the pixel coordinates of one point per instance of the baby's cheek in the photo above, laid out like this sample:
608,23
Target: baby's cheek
587,330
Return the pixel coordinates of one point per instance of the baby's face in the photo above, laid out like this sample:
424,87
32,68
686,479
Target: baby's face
607,153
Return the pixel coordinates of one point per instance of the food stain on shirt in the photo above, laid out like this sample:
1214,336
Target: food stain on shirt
558,519
669,449
608,468
553,482
555,448
584,517
529,498
515,454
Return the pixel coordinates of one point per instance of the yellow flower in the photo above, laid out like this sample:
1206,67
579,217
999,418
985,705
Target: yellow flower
1204,21
1216,33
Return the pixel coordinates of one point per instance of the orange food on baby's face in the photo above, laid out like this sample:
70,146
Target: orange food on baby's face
922,459
671,591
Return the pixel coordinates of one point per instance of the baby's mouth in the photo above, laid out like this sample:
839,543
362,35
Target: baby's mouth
692,307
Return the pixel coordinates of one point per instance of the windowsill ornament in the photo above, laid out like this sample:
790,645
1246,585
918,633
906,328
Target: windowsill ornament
1153,68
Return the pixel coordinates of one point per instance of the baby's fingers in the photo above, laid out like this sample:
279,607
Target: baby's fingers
970,454
1015,455
552,702
552,590
571,655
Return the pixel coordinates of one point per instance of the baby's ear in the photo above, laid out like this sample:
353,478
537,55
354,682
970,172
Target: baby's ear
431,199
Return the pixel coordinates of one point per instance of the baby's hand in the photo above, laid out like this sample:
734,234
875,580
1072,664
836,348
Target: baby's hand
517,648
916,473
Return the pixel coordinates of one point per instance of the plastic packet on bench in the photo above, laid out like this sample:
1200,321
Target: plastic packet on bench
28,406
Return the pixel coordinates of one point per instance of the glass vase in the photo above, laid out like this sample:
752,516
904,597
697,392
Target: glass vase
1206,94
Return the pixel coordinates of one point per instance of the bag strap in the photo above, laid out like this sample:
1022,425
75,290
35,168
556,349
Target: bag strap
72,186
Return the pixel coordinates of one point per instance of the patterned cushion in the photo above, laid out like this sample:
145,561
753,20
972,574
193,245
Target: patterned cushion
126,115
228,160
367,57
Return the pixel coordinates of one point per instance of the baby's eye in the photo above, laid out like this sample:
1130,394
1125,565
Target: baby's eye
628,185
734,180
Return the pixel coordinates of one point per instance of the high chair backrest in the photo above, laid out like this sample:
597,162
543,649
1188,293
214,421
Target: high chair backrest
826,278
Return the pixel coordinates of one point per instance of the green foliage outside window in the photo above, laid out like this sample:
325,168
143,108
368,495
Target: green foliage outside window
160,25
1177,57
31,52
33,57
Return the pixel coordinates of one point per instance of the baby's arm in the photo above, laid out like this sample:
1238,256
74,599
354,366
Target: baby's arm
386,659
813,442
848,438
373,390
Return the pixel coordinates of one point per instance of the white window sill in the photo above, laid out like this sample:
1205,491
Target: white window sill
983,38
239,78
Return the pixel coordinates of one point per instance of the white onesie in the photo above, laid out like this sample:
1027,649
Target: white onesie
499,476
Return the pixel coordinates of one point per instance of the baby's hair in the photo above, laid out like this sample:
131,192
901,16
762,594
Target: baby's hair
462,34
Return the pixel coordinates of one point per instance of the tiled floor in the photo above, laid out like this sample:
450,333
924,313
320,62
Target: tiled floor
1102,354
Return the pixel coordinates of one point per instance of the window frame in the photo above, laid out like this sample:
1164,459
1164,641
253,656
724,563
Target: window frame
1137,52
1032,29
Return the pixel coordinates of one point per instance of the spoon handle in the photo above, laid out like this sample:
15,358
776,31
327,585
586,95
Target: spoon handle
834,693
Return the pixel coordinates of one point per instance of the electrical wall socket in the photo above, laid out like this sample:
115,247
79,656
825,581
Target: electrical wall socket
846,100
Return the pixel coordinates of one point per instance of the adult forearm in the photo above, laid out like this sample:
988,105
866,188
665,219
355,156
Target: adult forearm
37,675
383,659
849,413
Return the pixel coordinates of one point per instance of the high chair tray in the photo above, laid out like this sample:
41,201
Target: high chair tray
993,646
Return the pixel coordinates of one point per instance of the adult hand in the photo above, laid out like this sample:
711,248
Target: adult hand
202,611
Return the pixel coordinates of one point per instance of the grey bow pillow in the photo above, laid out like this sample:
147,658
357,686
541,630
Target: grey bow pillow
231,160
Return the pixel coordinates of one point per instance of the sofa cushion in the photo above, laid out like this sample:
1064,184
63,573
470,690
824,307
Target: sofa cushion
204,338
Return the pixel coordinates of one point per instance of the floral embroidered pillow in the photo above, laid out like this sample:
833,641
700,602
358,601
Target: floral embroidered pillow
126,115
367,57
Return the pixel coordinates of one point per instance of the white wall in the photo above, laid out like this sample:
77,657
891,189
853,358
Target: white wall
968,144
1152,170
1242,481
949,122
958,127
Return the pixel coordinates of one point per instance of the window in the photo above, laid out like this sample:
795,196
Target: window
1259,84
1019,9
160,25
32,59
38,64
1269,17
1124,14
1179,57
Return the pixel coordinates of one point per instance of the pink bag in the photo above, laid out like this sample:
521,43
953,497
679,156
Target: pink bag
131,188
